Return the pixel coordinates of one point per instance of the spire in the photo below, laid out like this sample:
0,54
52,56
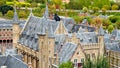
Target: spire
31,14
101,31
15,18
46,13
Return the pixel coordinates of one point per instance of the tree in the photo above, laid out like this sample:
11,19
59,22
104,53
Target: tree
118,24
66,65
99,62
110,28
58,3
5,8
115,7
85,9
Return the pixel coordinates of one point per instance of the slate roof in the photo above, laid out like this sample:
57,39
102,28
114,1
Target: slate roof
39,25
67,51
8,23
87,37
77,27
115,46
12,61
116,34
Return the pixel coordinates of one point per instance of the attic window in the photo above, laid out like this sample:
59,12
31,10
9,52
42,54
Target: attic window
90,40
81,40
34,28
77,53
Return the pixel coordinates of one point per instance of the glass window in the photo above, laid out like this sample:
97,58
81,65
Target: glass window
75,60
75,63
82,60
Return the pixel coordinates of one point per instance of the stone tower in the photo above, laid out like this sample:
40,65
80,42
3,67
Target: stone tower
16,28
101,40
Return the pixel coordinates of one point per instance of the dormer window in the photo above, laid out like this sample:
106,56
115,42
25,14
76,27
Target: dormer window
90,40
81,40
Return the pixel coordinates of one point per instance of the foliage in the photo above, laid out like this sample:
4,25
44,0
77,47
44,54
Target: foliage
104,10
2,2
95,9
107,7
113,19
97,21
100,62
78,19
66,65
5,8
118,24
10,14
106,23
114,7
22,14
85,9
42,6
110,28
33,4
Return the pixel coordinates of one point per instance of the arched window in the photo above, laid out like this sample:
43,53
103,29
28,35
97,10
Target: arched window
0,41
4,41
7,41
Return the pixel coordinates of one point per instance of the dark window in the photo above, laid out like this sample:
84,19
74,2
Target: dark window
93,55
82,60
77,53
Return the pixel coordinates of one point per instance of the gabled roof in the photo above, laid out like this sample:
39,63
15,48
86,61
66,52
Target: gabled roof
61,29
12,61
67,51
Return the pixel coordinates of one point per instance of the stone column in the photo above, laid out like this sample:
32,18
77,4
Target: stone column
29,58
34,62
25,58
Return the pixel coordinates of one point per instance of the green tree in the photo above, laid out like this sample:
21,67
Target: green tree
10,14
66,65
5,8
100,62
85,9
118,24
110,28
95,9
115,7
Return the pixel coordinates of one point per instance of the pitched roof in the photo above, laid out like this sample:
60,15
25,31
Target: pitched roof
12,61
115,46
67,51
87,37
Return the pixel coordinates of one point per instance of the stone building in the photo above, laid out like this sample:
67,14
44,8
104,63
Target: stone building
112,44
6,33
46,43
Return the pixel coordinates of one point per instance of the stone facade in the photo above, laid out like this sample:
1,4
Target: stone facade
48,54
